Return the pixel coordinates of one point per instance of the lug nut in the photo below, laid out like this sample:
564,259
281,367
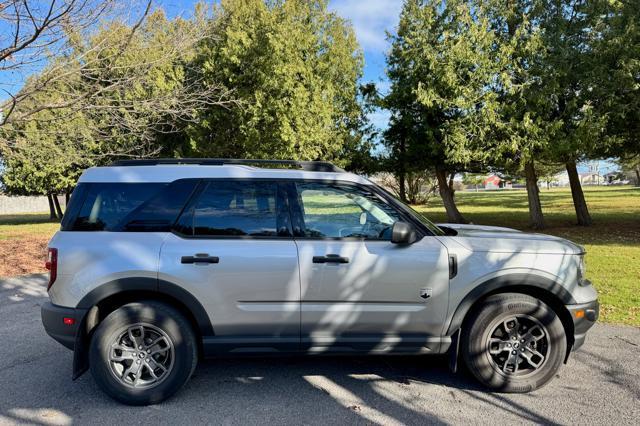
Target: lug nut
140,347
508,345
148,351
514,352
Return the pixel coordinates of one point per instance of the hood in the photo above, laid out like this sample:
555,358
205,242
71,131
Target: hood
497,239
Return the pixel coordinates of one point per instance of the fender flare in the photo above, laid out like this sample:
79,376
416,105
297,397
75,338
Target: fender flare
131,285
515,281
162,287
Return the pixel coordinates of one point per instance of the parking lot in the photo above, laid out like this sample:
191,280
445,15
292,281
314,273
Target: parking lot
600,384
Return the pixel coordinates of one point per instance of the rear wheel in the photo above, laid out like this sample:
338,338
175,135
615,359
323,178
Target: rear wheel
513,343
142,353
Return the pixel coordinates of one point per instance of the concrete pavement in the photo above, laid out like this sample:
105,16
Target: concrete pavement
600,384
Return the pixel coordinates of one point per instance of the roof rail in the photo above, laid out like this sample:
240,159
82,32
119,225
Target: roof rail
310,166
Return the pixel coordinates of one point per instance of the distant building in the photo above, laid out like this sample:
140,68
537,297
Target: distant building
590,178
492,182
495,182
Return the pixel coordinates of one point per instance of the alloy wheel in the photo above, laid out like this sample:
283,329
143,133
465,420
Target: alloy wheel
517,345
141,356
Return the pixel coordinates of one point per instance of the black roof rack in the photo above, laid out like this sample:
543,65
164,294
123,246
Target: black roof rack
311,166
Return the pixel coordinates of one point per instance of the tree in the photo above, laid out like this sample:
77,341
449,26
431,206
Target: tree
615,55
36,35
440,68
293,67
547,172
631,167
126,98
473,179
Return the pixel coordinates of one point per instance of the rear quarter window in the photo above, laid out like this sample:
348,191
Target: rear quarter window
127,207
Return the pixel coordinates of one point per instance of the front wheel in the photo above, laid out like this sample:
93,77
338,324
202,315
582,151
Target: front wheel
513,343
142,353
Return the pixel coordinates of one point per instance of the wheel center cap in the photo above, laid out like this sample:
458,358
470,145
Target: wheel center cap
141,354
516,345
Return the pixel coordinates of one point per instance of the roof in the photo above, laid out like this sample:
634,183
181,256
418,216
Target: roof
492,178
171,172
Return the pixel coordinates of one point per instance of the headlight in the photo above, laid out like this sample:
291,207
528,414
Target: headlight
582,270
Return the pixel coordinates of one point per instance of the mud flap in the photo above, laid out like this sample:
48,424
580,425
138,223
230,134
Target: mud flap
80,351
454,350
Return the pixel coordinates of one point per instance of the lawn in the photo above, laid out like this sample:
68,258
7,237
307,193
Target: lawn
612,243
23,242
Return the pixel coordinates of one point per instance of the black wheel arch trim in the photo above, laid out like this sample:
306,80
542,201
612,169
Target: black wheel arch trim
512,281
162,287
146,286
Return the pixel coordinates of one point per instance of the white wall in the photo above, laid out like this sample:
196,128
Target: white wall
15,204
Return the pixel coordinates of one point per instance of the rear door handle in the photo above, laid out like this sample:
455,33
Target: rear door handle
200,258
330,258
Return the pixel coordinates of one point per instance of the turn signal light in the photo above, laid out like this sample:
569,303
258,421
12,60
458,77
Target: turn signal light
579,313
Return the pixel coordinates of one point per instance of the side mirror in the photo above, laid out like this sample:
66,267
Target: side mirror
403,233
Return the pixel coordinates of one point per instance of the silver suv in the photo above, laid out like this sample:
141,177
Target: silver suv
161,262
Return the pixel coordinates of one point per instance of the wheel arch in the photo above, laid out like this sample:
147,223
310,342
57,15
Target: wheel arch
108,297
550,292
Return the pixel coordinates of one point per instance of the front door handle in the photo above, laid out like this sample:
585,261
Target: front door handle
330,258
200,258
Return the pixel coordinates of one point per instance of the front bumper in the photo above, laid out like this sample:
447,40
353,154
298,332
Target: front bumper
53,320
584,317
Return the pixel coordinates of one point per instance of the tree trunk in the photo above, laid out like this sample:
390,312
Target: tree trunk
580,204
402,183
66,199
451,176
638,175
57,204
453,214
52,210
536,218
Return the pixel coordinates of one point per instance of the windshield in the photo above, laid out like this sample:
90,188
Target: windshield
414,213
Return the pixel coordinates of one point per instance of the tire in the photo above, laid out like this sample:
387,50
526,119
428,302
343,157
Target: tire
167,360
503,363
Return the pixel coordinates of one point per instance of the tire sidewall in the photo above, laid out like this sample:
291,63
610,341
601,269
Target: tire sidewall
161,316
475,342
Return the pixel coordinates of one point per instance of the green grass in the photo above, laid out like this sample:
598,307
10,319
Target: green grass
612,243
16,225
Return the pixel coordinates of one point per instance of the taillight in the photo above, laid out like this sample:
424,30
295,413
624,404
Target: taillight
52,265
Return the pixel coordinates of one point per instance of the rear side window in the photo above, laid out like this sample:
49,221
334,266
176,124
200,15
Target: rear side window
237,208
132,207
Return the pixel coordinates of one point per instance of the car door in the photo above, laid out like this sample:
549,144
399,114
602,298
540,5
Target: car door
232,249
359,291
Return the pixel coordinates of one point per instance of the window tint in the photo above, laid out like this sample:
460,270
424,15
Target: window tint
127,206
341,211
161,211
236,208
106,204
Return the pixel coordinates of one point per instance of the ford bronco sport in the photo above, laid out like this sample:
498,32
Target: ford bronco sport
161,262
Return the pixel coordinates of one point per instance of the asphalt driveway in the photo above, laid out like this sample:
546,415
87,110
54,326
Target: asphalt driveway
600,384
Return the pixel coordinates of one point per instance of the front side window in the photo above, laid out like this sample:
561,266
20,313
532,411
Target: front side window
343,211
239,208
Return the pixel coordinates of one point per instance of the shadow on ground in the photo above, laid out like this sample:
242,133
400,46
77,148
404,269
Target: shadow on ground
601,383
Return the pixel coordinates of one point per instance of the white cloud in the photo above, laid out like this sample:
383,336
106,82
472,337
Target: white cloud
370,19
